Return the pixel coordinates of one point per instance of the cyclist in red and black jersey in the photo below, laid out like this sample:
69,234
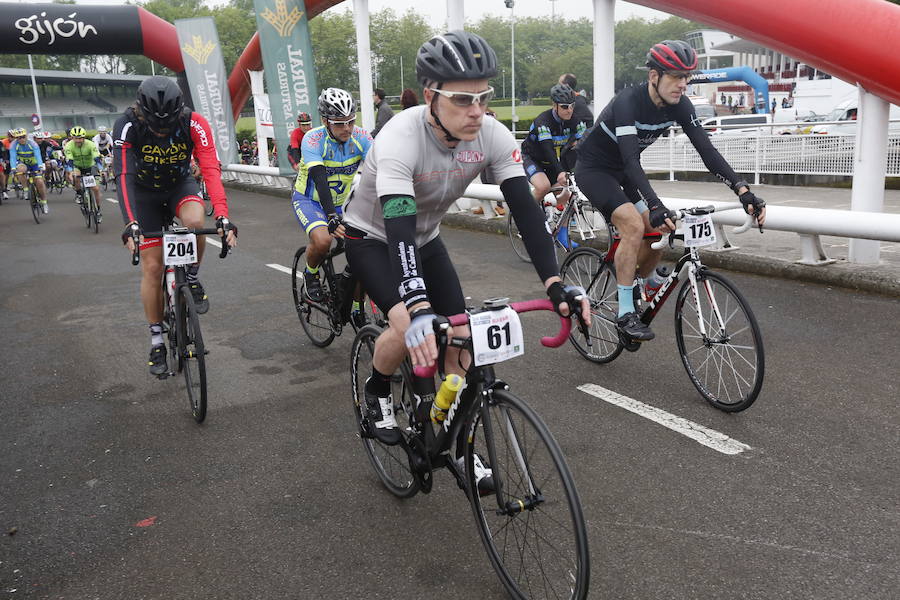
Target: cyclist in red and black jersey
153,142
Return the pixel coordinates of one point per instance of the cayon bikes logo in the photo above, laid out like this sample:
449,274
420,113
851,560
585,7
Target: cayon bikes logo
198,50
282,20
33,28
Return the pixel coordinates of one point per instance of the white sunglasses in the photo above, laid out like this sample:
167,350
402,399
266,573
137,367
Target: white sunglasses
467,98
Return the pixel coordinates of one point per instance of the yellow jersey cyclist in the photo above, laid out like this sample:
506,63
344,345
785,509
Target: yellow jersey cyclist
82,158
25,157
425,158
330,156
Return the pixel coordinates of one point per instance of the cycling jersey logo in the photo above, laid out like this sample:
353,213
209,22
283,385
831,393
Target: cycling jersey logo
470,156
517,155
198,50
282,20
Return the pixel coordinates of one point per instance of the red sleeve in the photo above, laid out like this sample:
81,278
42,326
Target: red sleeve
208,159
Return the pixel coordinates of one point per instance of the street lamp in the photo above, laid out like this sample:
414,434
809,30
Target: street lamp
510,4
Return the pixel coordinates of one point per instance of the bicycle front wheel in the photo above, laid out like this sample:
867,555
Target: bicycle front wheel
726,363
314,318
192,353
35,207
391,463
586,268
95,210
529,517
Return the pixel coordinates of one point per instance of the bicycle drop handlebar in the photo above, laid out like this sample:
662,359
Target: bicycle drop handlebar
704,210
136,255
565,327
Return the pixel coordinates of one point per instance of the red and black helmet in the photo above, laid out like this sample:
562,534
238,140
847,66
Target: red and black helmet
672,55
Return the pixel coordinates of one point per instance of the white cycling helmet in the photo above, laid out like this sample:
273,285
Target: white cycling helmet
336,104
101,129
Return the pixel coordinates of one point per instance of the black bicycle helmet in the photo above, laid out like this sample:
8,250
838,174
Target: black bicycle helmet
453,56
562,94
160,101
672,55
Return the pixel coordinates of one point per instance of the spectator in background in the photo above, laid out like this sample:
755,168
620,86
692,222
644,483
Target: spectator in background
304,124
582,111
385,112
246,152
408,98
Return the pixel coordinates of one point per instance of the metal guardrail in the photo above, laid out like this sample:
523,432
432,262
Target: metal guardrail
809,223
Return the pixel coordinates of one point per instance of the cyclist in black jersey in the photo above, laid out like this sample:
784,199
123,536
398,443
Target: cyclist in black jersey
610,174
546,152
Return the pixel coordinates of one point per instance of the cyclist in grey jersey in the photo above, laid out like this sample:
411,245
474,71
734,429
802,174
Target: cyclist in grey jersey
422,162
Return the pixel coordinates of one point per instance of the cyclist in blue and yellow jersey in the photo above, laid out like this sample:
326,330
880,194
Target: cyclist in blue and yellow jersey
83,158
25,157
330,156
546,152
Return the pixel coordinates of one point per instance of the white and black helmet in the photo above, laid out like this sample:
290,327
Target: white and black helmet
336,104
453,56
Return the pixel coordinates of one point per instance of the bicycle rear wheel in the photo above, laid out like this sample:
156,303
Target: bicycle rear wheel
192,353
315,318
391,463
585,267
727,365
532,524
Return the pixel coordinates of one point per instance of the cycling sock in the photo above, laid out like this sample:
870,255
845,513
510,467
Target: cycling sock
355,306
312,270
191,272
378,384
626,299
156,334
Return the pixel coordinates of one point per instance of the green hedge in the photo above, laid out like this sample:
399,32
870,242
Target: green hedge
541,102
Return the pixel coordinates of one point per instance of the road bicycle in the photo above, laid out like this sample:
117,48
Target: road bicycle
34,199
323,321
576,215
717,335
181,322
497,448
106,175
90,210
207,201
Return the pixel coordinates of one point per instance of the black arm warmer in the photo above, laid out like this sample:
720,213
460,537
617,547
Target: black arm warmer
717,165
400,230
530,220
294,155
320,179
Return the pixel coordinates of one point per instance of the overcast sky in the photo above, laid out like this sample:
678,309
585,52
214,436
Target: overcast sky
436,12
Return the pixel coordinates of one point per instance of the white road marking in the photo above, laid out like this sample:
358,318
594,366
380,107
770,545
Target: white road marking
214,242
700,434
113,200
281,268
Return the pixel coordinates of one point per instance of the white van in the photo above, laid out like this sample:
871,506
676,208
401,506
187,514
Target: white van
847,111
702,108
715,125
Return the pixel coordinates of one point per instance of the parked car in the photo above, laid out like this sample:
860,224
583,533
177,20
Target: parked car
726,125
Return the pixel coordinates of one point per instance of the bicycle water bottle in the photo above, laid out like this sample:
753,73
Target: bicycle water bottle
170,285
445,398
655,281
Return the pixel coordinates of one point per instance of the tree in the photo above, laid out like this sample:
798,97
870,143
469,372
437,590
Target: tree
393,37
334,47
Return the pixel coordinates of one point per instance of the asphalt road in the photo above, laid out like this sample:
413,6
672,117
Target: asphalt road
110,490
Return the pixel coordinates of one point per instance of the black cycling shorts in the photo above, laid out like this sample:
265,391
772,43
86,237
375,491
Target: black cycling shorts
154,209
608,190
370,262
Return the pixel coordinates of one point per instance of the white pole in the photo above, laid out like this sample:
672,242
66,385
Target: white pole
402,87
512,60
364,59
604,52
456,17
152,68
869,167
257,89
37,103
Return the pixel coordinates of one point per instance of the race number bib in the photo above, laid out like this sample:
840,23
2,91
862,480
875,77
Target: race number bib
496,336
698,231
180,248
88,181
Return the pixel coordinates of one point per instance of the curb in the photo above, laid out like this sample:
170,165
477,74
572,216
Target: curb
874,279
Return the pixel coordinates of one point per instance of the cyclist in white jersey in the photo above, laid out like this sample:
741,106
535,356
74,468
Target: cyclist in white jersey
421,162
103,141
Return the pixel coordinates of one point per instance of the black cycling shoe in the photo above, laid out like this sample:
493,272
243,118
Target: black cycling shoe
157,362
201,300
631,326
313,287
380,422
484,476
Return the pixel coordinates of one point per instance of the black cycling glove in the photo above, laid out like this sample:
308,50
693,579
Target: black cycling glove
749,199
132,230
226,225
334,221
570,294
659,213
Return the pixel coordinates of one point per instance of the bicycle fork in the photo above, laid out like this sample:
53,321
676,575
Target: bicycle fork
714,307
